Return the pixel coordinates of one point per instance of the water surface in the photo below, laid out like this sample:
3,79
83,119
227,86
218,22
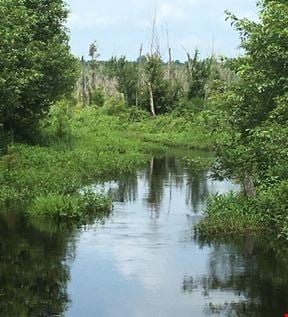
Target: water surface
141,261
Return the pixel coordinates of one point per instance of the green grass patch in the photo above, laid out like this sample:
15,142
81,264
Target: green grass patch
235,214
75,206
177,132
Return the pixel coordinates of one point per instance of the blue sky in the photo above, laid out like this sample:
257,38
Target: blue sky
119,27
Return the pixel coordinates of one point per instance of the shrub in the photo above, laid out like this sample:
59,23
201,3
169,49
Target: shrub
74,206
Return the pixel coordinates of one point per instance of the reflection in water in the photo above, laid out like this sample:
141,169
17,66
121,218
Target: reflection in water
162,173
33,277
143,260
126,190
35,256
254,269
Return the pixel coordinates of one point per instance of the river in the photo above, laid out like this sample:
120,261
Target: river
141,261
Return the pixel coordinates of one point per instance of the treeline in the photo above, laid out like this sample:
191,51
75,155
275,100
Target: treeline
152,84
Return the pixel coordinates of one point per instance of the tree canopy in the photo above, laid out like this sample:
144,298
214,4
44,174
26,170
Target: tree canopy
36,67
263,70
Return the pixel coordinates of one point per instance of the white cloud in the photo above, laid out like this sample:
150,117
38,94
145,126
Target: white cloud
144,24
189,43
169,11
87,20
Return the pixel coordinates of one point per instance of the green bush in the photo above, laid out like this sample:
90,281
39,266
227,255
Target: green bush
114,106
233,213
57,125
97,97
75,206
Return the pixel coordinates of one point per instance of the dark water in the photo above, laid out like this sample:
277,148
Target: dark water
142,260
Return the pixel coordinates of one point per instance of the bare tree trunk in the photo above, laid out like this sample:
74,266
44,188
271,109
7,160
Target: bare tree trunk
139,73
170,55
170,64
249,186
152,108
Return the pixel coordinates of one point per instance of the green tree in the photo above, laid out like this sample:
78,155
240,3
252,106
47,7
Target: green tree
263,70
258,107
198,73
36,67
157,94
127,76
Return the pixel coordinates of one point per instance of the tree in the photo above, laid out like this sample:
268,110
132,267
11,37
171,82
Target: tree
126,74
158,94
258,99
36,67
198,73
263,70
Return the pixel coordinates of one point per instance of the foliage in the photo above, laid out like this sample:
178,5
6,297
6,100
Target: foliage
233,213
127,77
165,93
35,61
230,213
97,97
198,73
178,132
100,151
114,106
56,124
94,148
262,71
75,206
257,106
182,88
258,99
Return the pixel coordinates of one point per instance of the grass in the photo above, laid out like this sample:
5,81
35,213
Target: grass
229,214
235,214
75,206
177,132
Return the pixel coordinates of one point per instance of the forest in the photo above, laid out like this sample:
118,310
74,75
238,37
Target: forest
65,122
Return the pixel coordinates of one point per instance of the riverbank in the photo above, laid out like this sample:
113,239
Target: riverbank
83,148
238,215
